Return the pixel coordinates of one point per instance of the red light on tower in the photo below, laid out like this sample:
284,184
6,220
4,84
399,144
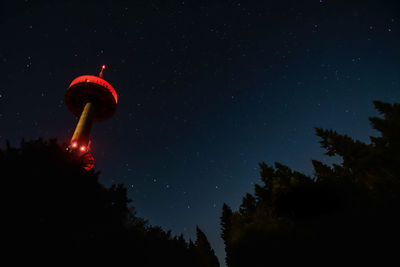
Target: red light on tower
91,99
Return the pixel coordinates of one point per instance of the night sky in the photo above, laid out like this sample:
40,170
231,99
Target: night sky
207,90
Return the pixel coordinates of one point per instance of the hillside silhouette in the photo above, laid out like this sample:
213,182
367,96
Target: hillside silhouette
54,209
346,213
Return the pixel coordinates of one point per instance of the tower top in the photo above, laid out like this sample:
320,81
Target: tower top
94,89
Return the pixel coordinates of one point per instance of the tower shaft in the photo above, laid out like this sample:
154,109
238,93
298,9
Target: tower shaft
82,130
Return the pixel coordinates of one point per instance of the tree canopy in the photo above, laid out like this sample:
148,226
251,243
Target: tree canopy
345,211
56,209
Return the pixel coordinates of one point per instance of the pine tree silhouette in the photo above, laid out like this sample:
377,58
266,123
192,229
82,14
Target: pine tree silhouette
205,254
343,213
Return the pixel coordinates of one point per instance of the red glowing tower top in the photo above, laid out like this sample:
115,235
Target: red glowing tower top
89,88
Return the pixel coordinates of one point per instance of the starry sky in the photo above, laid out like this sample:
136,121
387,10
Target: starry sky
207,90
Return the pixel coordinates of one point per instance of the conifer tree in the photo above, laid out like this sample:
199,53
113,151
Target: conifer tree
347,207
226,222
205,254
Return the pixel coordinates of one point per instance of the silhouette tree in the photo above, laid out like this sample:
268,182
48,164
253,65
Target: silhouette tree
56,209
226,222
345,212
205,254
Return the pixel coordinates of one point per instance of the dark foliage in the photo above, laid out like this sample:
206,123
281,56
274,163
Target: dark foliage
56,211
204,252
345,213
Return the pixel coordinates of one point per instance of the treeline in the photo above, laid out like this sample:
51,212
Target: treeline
347,212
54,209
344,213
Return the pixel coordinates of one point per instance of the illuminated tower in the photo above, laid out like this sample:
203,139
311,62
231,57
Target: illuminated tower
91,99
